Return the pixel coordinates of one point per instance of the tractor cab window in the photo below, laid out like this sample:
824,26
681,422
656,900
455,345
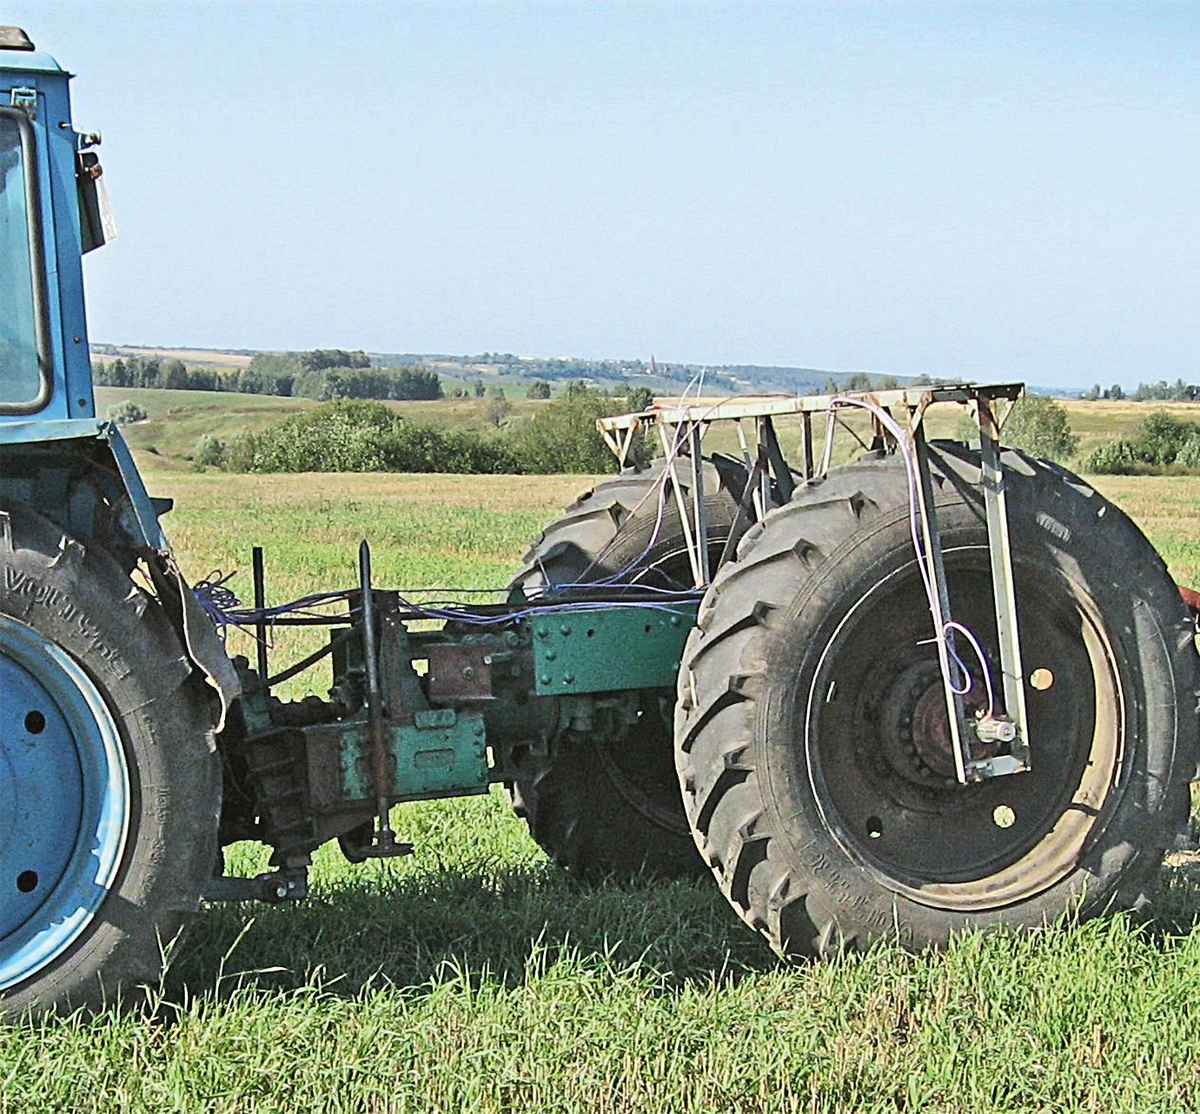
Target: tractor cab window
24,361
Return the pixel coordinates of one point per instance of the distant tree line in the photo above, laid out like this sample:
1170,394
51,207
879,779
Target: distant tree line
323,374
1162,391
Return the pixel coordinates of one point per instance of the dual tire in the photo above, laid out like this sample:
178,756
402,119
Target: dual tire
810,738
608,804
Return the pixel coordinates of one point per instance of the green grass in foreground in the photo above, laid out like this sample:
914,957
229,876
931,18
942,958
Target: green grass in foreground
474,976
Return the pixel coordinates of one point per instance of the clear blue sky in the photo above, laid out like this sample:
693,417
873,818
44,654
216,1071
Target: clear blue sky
993,192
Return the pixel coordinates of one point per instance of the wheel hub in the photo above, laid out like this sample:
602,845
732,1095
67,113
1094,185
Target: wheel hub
915,727
65,801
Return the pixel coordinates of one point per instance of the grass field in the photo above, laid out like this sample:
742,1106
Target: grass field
475,976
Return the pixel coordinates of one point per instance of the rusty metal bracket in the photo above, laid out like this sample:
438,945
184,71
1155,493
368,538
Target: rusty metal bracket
459,672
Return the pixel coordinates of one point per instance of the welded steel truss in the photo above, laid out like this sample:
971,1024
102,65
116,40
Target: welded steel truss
897,424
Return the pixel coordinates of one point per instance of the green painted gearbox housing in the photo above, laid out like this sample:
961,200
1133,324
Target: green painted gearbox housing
605,649
443,752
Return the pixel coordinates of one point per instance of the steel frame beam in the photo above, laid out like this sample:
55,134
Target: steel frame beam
772,480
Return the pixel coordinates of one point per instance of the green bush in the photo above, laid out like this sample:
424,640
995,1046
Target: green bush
209,451
564,438
1189,455
1163,441
125,412
239,452
363,436
1037,424
1111,458
1162,437
638,399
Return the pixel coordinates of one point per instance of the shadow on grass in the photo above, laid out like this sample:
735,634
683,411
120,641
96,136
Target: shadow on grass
374,929
1174,906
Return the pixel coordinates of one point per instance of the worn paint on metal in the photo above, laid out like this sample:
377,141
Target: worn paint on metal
604,649
442,752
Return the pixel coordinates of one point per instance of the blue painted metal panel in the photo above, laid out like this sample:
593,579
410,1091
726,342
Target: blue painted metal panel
30,61
139,498
26,431
55,139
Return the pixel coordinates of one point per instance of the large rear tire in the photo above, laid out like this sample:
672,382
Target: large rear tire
608,802
810,728
108,774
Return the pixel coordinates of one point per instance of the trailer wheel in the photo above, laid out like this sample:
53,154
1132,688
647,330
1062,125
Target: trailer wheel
109,785
608,802
812,738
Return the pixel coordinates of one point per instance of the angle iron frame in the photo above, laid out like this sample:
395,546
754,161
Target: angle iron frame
681,429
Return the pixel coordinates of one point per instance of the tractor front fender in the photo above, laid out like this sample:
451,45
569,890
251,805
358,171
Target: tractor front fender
40,459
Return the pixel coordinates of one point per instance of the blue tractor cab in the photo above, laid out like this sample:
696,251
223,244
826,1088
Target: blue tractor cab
97,752
50,215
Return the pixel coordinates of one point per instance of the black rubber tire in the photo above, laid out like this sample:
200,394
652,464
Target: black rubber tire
79,599
615,810
828,821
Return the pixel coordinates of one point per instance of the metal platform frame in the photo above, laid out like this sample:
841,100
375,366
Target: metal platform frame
896,425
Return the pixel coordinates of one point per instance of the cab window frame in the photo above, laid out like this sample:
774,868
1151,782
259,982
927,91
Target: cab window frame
37,265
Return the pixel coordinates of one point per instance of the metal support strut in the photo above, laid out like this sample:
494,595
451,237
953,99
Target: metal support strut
1000,554
771,480
932,543
384,845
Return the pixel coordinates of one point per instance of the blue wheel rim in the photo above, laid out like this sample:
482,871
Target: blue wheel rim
64,801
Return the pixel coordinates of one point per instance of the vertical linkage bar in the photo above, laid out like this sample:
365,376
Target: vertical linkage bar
1000,552
746,505
696,436
670,451
784,483
827,448
260,605
806,444
764,481
754,485
933,550
385,838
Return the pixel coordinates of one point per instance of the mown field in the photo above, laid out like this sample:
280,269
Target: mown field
475,976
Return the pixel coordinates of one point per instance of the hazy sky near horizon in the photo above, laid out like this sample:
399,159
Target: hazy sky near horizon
997,191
